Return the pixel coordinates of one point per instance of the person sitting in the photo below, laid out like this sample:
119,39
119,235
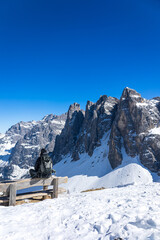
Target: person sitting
43,166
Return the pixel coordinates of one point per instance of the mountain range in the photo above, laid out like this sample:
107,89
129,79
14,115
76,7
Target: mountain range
20,145
104,136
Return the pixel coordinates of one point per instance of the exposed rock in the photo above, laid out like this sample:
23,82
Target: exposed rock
66,141
42,135
82,133
10,138
22,143
98,120
134,119
132,125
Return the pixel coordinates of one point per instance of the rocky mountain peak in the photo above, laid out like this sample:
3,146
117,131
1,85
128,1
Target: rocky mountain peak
83,132
102,98
67,139
130,94
132,123
75,107
116,129
135,117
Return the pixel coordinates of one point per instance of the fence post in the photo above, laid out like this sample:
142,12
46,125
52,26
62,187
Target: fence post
55,188
12,194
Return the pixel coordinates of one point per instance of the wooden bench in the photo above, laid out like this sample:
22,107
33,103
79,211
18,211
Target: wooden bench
8,189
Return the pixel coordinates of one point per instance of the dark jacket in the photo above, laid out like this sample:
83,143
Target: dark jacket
37,164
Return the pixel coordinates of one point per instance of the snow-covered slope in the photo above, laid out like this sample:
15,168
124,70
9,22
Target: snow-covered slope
131,174
130,213
95,171
95,165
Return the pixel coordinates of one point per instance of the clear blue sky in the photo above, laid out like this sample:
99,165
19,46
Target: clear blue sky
56,52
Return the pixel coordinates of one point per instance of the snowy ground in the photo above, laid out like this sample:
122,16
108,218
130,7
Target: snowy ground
130,212
129,207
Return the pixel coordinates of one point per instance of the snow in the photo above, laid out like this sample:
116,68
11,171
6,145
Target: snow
135,96
143,104
2,135
58,122
3,163
96,172
17,171
128,207
130,212
6,146
29,146
132,174
96,165
155,131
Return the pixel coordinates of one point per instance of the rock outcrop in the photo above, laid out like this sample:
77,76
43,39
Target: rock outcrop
132,129
83,130
66,141
41,135
133,123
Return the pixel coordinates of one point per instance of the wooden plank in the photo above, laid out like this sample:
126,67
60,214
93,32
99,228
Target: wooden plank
26,183
31,195
39,193
12,194
19,202
55,189
4,201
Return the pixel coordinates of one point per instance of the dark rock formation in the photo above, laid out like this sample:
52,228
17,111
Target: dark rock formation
82,133
134,119
65,142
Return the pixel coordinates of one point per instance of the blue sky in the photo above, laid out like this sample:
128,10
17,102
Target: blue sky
56,52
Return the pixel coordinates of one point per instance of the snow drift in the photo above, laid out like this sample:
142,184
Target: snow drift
132,174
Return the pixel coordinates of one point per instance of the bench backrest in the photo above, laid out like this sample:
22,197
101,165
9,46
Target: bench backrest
26,183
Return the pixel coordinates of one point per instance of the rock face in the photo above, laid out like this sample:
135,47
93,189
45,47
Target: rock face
132,122
133,130
41,135
117,130
26,139
10,138
8,141
83,131
66,141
